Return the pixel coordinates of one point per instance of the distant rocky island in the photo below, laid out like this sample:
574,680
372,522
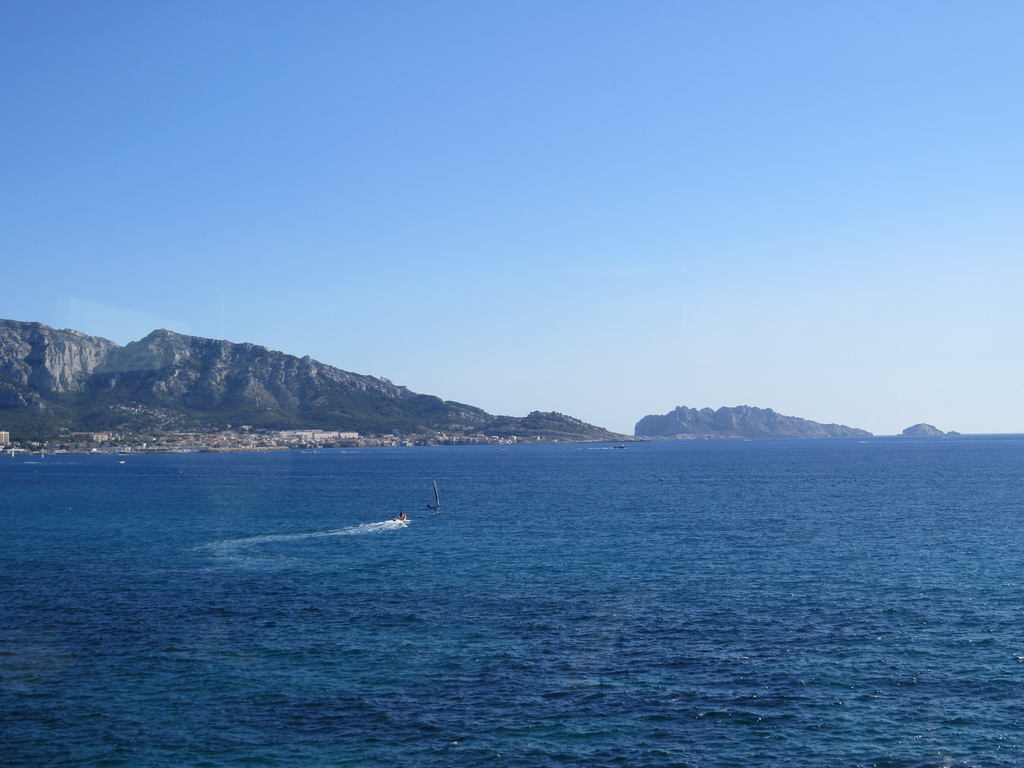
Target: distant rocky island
925,430
59,381
741,421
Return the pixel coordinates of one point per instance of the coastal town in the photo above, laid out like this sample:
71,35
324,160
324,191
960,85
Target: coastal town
242,438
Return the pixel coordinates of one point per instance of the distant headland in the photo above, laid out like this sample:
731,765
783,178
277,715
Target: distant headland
741,421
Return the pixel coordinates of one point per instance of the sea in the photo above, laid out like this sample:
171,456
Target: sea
829,602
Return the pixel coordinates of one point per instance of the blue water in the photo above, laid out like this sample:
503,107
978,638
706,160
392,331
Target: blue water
719,603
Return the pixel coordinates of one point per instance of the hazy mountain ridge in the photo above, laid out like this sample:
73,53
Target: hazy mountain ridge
741,421
53,378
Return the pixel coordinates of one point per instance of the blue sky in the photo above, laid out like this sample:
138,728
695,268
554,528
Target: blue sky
604,209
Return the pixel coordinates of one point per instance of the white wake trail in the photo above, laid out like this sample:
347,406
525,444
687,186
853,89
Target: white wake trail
352,530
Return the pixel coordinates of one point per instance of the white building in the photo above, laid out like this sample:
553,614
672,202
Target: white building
317,436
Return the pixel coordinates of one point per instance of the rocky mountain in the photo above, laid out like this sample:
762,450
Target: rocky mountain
741,421
42,359
51,379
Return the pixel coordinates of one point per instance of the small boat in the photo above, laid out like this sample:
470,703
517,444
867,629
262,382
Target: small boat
437,500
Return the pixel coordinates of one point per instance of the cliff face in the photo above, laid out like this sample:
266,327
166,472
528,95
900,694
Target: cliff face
741,421
47,360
